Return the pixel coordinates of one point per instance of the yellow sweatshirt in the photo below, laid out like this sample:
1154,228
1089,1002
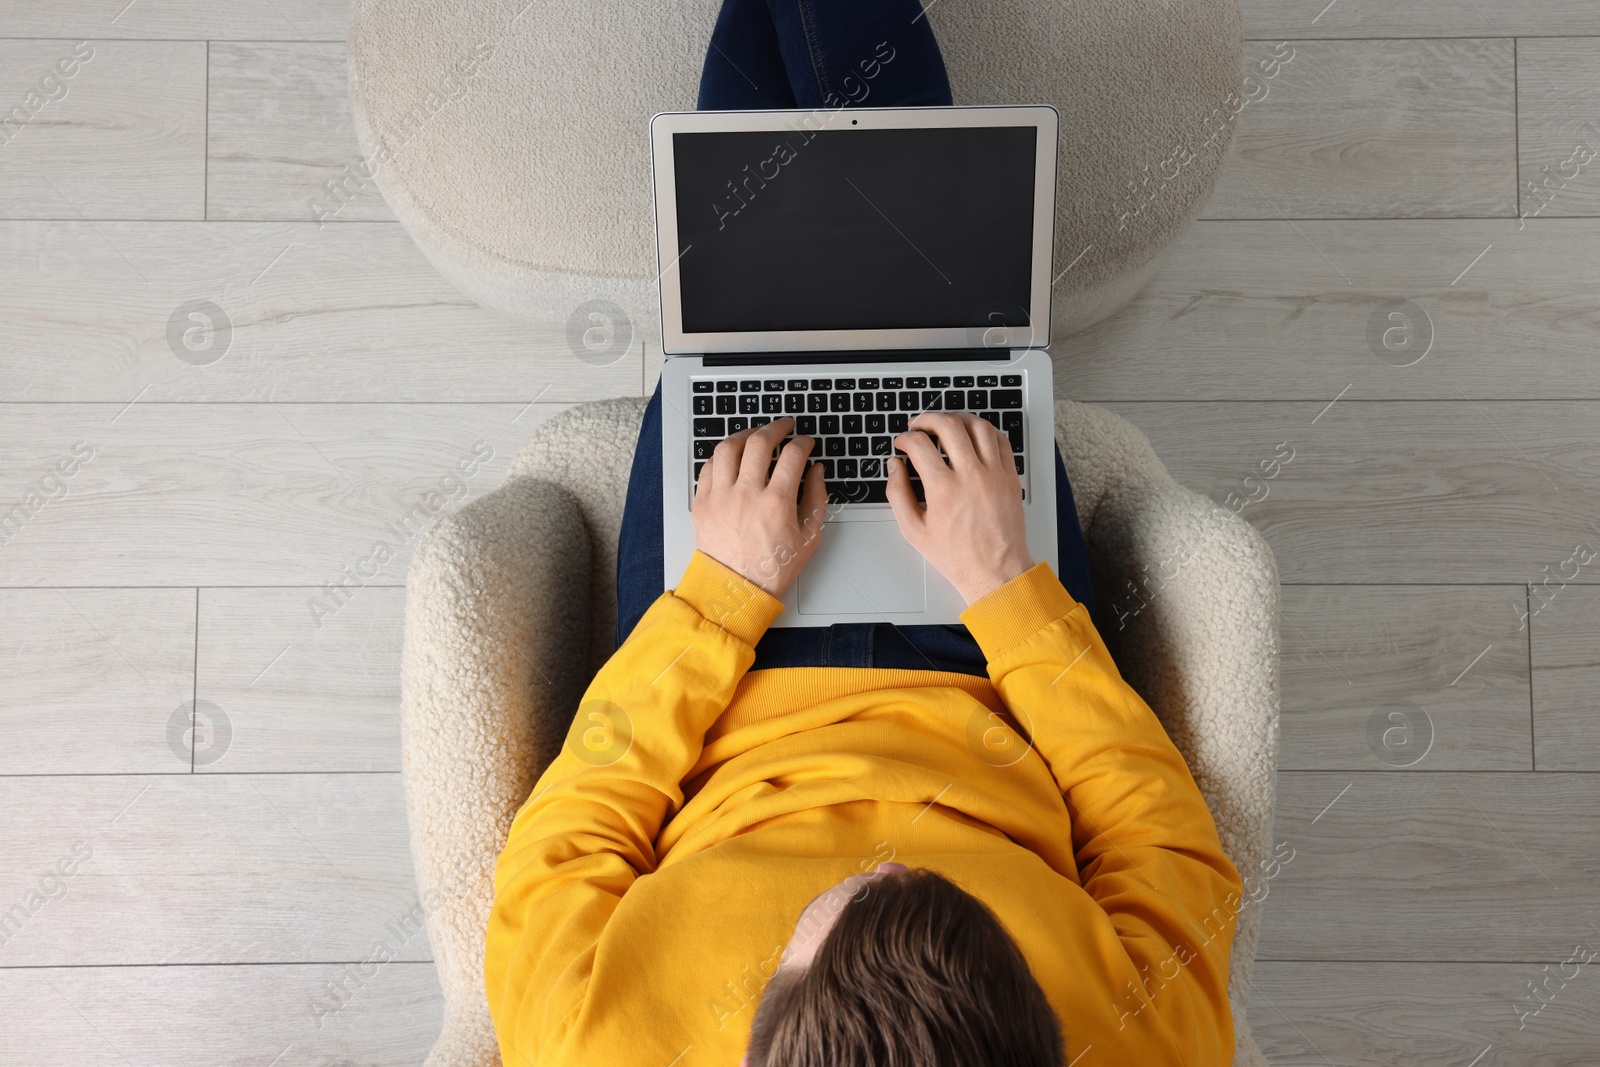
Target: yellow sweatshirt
651,881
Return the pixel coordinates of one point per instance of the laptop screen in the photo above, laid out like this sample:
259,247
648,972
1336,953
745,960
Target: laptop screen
855,229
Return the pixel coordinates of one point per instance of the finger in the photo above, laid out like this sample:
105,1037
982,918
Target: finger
953,435
903,502
813,504
792,465
726,458
919,448
758,450
986,438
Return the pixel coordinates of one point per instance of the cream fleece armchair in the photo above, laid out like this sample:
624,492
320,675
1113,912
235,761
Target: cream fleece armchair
511,608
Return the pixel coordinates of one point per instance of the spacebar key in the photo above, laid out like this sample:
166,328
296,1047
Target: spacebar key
858,492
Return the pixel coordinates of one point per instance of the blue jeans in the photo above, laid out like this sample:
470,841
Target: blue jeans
822,54
641,580
812,54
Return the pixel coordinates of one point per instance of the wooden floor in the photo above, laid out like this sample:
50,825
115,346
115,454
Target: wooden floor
1437,530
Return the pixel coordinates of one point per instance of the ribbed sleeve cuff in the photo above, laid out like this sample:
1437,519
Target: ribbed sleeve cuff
1005,617
727,598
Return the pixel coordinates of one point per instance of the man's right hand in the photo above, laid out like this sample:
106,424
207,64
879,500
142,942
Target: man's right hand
972,529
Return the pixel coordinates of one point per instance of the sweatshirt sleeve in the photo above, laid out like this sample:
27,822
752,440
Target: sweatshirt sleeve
589,828
1146,845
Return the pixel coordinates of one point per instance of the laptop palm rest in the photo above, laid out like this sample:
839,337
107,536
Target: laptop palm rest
862,568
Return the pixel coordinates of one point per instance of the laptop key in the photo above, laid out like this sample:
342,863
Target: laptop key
727,385
932,400
749,387
833,446
1006,398
702,387
875,422
885,401
977,398
806,424
702,405
942,382
772,385
963,381
727,404
987,381
847,491
1010,419
797,385
954,400
858,446
838,401
1018,459
737,423
916,383
992,417
892,383
882,446
908,401
772,403
844,383
697,467
710,428
793,403
1015,433
861,401
846,468
1009,380
852,424
822,384
867,383
816,402
828,424
760,420
749,405
703,447
898,422
869,468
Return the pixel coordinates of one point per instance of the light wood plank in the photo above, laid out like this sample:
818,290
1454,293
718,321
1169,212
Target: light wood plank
280,132
207,869
1415,1014
250,20
1418,18
1385,677
1281,311
309,678
1566,666
347,311
252,494
93,678
1558,127
1449,866
389,1013
120,137
1395,493
1363,129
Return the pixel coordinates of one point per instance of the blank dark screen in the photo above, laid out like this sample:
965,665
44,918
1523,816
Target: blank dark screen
855,229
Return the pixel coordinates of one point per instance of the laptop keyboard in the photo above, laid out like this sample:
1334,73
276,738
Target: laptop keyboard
854,420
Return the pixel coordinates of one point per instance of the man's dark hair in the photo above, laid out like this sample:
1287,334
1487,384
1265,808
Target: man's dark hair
916,973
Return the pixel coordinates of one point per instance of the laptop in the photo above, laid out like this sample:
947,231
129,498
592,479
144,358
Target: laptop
853,268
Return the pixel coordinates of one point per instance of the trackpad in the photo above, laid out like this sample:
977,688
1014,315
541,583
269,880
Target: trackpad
863,568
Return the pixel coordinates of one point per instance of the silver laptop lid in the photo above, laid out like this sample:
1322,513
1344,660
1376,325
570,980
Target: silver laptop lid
854,229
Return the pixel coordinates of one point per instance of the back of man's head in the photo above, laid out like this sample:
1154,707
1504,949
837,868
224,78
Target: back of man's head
915,973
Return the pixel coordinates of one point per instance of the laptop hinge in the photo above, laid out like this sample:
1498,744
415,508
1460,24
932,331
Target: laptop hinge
927,355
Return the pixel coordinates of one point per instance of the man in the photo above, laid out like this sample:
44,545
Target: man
842,866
